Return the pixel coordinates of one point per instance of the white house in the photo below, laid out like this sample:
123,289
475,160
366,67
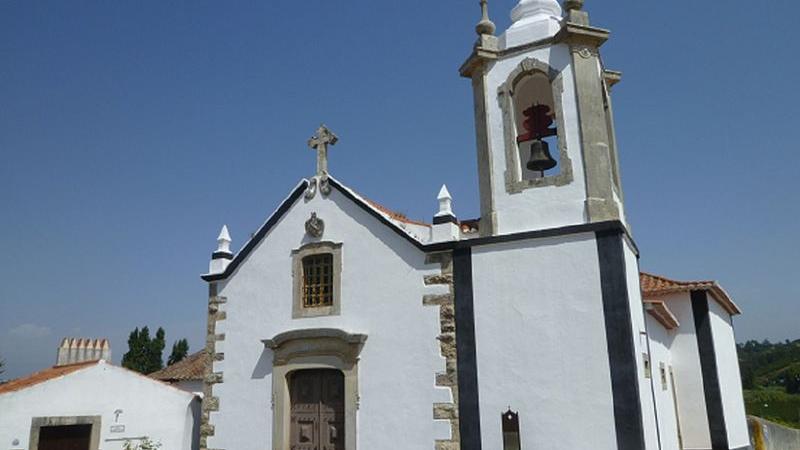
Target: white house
341,324
696,381
94,405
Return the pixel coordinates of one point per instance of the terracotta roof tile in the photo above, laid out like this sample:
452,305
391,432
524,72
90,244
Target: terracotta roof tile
42,376
190,368
394,214
657,286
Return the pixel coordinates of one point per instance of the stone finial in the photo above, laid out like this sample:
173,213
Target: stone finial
485,26
323,138
571,5
445,203
224,240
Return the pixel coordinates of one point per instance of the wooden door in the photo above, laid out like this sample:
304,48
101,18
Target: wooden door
317,411
71,437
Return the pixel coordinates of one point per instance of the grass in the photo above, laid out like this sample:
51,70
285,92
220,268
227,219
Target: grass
773,404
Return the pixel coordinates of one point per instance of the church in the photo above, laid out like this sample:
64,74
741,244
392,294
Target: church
341,324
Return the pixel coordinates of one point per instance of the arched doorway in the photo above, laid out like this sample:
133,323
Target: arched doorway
317,412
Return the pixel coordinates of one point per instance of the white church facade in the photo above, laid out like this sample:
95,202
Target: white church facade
342,325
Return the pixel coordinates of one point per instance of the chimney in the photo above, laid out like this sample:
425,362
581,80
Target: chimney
78,350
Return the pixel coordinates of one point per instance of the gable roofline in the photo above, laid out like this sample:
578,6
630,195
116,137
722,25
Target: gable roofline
386,218
658,286
273,220
43,376
59,372
378,213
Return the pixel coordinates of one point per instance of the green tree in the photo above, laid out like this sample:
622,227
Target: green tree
137,356
145,354
156,354
792,377
2,366
179,351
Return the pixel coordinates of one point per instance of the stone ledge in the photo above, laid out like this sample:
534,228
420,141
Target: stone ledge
438,280
437,299
444,411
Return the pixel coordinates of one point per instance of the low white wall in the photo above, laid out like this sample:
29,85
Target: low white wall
149,408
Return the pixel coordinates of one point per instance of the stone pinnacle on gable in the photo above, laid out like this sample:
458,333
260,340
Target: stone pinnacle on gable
223,255
445,203
224,240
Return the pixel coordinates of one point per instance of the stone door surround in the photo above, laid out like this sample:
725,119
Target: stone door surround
316,348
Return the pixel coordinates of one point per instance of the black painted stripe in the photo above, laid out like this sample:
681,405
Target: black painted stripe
221,255
708,366
466,358
622,355
438,220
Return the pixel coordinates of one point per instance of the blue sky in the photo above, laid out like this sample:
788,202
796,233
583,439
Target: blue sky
131,131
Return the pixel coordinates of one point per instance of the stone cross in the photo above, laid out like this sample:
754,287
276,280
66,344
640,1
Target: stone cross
320,142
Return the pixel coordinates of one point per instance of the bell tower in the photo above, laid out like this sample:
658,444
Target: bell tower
547,155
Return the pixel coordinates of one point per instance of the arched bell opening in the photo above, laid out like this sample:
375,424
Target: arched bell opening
535,126
531,102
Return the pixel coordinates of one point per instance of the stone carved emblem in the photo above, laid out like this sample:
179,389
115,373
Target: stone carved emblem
315,226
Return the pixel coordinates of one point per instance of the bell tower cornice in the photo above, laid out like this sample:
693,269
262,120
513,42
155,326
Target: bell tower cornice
584,35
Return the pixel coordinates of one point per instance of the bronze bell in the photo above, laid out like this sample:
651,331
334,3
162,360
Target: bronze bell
541,159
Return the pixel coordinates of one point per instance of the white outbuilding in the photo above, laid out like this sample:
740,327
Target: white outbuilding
94,405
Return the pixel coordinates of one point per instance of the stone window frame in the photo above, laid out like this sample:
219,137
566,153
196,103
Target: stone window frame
299,311
59,421
318,348
513,174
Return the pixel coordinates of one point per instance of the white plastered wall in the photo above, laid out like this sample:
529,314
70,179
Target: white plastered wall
149,408
541,343
730,382
688,375
543,207
639,332
382,291
660,342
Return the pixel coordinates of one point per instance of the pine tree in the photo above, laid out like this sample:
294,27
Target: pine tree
179,351
3,365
